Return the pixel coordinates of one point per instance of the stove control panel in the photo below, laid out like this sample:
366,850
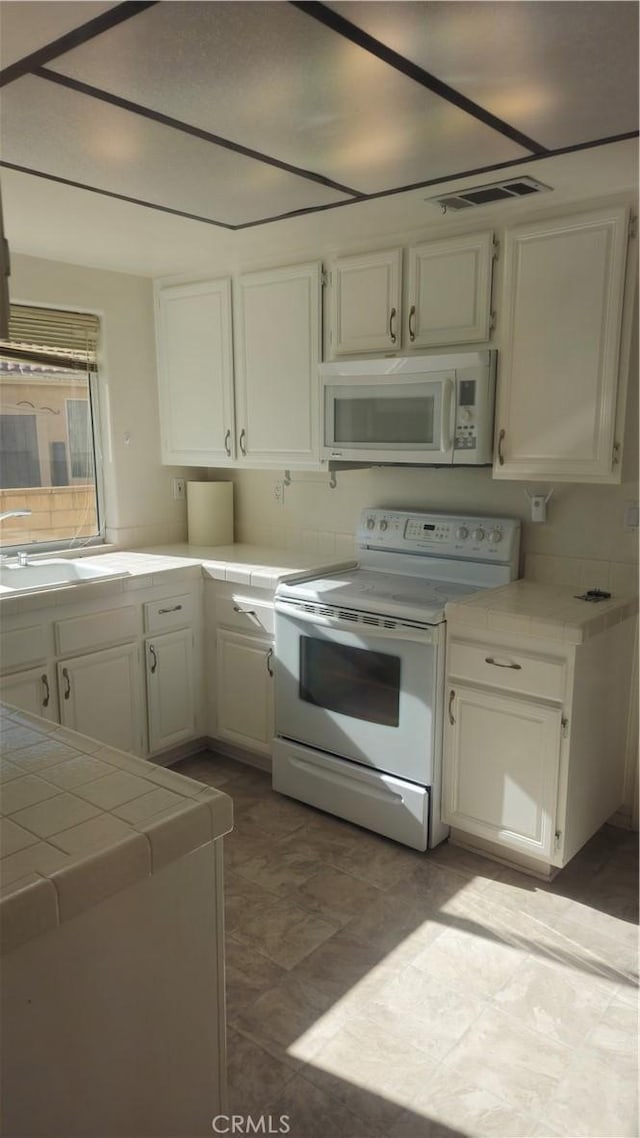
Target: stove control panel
460,536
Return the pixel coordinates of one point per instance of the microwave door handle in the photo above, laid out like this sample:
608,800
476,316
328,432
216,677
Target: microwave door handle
448,418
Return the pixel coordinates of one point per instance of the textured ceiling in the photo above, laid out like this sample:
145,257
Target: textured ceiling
235,114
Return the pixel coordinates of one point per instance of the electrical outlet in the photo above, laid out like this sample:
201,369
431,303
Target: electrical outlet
179,488
631,515
278,492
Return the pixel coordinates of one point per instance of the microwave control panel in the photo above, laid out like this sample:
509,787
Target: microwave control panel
466,437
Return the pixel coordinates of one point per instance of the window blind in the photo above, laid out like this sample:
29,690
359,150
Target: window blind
52,336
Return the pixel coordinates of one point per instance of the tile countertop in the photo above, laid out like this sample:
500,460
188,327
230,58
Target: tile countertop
530,608
81,821
241,564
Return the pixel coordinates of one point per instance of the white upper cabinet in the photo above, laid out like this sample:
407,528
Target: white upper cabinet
277,355
365,302
449,291
447,297
559,366
195,366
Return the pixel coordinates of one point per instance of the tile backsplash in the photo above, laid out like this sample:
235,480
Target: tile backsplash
584,542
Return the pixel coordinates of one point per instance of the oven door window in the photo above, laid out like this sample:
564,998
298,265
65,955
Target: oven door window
353,681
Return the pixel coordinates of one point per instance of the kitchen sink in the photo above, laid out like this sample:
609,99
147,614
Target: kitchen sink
54,573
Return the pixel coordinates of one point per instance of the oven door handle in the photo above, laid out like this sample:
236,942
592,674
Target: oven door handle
425,635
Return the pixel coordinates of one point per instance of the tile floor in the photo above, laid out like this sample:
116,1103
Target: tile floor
374,991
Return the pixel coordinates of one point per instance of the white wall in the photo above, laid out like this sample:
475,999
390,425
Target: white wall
140,509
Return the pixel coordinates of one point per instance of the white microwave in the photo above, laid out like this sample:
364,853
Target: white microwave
419,410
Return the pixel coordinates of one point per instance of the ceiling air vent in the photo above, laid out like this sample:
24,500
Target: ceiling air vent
494,192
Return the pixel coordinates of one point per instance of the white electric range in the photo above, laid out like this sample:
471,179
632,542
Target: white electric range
360,668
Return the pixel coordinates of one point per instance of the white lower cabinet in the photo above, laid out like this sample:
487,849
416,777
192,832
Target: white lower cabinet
501,774
33,691
100,696
170,689
535,741
85,664
244,690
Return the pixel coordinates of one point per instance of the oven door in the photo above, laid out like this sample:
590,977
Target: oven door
367,693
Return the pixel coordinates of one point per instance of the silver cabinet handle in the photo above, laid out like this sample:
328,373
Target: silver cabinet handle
67,681
154,657
253,616
501,438
452,696
174,608
44,680
412,323
227,442
497,664
269,659
392,331
243,435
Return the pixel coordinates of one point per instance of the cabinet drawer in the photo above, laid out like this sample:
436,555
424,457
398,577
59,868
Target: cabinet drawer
498,667
97,630
23,646
172,612
245,613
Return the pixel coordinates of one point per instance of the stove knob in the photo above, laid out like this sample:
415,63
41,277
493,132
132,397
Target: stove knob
478,534
495,536
371,522
384,525
462,532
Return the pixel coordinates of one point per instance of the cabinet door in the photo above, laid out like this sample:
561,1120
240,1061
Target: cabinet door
278,351
244,690
32,691
195,367
558,375
170,689
364,302
449,291
501,769
100,697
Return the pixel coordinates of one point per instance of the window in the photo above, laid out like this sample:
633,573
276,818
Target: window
48,429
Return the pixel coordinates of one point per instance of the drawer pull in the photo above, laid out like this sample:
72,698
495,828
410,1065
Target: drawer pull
498,664
153,655
452,696
44,679
174,608
501,438
392,331
269,659
67,681
248,612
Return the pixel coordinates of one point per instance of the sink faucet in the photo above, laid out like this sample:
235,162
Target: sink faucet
22,512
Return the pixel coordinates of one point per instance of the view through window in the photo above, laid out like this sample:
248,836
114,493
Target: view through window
48,432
